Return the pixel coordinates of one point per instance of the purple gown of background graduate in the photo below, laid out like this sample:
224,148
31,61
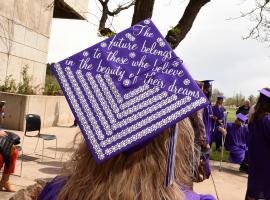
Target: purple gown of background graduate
207,111
52,189
236,142
208,128
259,162
219,113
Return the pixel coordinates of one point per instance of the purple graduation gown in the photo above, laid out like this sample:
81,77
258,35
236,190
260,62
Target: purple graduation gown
208,129
259,159
236,142
52,189
207,111
219,113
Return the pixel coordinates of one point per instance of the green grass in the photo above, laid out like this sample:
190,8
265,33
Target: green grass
231,114
215,155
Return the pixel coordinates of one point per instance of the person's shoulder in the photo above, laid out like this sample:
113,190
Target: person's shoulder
52,188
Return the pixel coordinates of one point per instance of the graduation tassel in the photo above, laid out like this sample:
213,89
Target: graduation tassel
171,156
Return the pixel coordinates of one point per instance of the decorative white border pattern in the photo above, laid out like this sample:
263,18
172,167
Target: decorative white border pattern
79,113
95,105
117,96
154,127
88,112
107,93
139,98
136,91
145,112
157,111
147,120
142,104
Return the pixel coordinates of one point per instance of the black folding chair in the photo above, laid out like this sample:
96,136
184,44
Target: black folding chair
33,123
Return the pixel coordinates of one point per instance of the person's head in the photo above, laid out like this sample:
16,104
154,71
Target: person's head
220,100
240,119
207,88
139,175
200,84
247,104
262,106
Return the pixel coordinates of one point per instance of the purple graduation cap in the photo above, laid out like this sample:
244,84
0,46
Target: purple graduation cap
209,82
127,89
220,98
243,118
207,88
265,92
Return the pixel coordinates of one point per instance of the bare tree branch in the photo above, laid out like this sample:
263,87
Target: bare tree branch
179,32
120,8
103,30
144,9
260,15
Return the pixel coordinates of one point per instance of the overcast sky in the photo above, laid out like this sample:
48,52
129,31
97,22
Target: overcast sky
213,49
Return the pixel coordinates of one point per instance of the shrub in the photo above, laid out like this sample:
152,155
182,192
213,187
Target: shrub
25,86
51,84
9,85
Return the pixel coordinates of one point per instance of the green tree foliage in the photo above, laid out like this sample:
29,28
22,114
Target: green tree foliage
52,86
25,86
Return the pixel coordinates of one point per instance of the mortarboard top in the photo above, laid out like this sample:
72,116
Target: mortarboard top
265,92
242,117
207,81
220,97
127,89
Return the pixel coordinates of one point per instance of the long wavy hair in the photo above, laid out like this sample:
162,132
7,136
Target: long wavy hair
139,175
262,107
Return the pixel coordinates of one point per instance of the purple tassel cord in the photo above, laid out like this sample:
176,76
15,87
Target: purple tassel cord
171,156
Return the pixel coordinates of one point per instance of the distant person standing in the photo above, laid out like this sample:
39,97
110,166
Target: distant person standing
207,117
259,149
219,120
244,109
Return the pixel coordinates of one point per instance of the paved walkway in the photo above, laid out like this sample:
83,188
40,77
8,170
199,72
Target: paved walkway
227,184
230,183
33,168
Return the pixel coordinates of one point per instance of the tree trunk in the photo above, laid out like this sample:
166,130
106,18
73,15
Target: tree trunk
104,17
179,32
143,9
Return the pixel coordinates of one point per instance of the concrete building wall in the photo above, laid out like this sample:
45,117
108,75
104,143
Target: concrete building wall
24,33
24,37
53,110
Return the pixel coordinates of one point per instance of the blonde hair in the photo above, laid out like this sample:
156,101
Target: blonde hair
139,175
